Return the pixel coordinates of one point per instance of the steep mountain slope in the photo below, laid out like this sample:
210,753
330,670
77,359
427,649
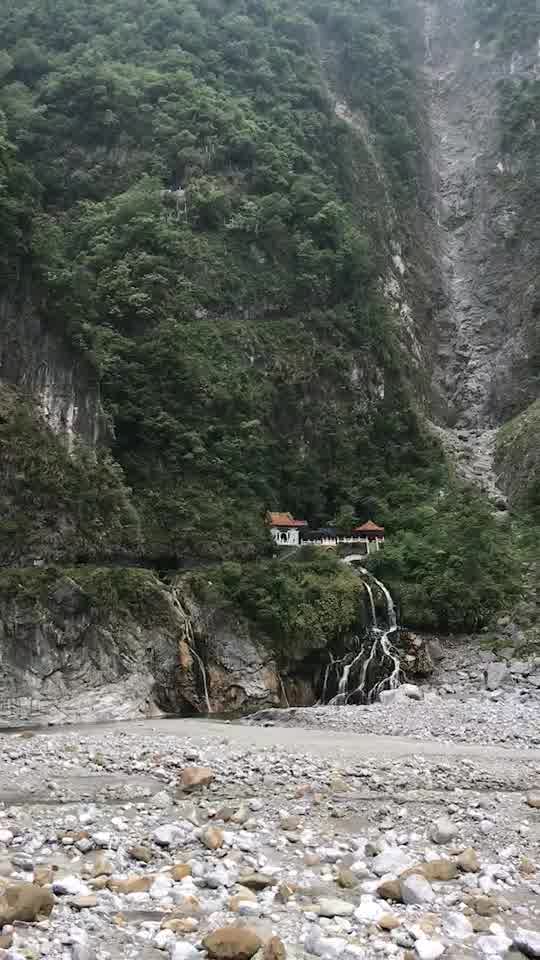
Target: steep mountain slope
257,257
482,71
210,232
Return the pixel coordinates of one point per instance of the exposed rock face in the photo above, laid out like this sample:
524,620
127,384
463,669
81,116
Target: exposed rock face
64,658
96,644
241,669
33,358
484,234
68,654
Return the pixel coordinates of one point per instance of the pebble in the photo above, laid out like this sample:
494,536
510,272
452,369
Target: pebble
416,889
184,951
528,941
427,949
329,907
458,926
392,860
443,830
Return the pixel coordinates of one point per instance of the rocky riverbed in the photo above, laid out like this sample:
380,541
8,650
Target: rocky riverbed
473,696
143,843
508,719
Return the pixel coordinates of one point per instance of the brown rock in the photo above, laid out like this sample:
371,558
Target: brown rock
312,859
346,878
434,870
74,835
188,906
256,881
526,867
212,837
6,941
43,874
274,950
193,778
428,923
533,800
232,943
99,883
468,861
102,867
140,853
180,870
480,924
389,922
180,924
134,884
240,897
390,890
484,906
26,902
83,902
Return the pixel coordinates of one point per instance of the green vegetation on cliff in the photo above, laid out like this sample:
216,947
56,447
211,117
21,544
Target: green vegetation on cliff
452,564
237,326
108,593
302,605
53,503
512,24
518,459
200,223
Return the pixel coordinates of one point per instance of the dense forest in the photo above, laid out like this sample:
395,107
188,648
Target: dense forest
196,219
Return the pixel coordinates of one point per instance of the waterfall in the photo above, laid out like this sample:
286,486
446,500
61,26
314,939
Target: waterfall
377,663
202,668
371,602
283,691
390,608
343,685
190,640
391,682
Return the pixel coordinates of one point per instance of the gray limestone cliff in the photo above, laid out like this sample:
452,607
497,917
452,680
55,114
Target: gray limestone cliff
88,644
36,359
485,233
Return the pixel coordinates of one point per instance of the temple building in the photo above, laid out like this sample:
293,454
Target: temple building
286,531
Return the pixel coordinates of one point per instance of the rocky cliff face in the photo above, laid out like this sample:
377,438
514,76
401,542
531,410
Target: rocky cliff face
90,644
99,644
485,234
67,653
33,358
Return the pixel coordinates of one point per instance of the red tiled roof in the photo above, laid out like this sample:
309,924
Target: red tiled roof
284,520
369,527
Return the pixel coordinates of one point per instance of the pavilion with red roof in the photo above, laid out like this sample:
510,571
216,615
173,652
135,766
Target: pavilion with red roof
370,530
284,528
286,531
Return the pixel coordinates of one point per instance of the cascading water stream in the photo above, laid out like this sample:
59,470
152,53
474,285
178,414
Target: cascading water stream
378,657
390,608
190,639
344,680
371,602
